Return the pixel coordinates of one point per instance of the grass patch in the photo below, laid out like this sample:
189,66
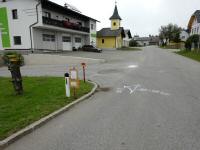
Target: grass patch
190,54
42,96
129,49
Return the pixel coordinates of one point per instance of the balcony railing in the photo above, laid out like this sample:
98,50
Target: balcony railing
65,24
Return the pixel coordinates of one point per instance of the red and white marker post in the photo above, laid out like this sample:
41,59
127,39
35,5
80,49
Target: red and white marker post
84,66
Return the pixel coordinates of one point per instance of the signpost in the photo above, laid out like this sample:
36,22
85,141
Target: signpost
83,65
67,85
74,81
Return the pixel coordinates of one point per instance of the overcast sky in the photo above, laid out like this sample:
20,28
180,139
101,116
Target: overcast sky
142,17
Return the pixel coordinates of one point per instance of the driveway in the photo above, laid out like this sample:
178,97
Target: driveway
148,100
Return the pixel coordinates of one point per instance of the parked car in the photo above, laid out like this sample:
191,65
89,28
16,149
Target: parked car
91,48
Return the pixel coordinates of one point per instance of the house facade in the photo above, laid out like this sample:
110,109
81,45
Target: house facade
194,23
184,35
114,37
127,38
43,25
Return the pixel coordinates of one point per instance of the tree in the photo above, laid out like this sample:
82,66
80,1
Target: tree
170,32
133,43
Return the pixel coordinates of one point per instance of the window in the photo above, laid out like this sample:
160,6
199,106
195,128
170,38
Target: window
103,41
17,40
67,19
78,40
47,14
92,26
66,39
14,14
48,38
183,37
197,30
114,24
80,23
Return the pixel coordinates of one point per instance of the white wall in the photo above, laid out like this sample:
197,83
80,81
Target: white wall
58,44
93,40
184,36
195,27
26,16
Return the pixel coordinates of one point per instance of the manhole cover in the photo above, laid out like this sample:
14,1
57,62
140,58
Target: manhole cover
107,71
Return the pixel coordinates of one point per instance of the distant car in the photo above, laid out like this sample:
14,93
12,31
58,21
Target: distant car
91,48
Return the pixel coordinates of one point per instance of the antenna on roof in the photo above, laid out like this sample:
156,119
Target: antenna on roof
115,2
71,7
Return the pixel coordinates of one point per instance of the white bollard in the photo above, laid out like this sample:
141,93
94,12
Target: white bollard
67,85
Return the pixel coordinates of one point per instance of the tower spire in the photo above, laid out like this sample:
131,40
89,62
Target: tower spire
115,13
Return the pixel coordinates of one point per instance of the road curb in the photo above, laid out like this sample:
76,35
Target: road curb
11,139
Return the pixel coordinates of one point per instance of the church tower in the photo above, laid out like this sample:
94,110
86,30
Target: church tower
115,19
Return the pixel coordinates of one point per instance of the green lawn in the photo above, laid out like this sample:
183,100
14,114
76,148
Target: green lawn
189,54
42,96
129,49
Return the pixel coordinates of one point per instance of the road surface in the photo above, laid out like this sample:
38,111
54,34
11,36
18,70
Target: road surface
149,100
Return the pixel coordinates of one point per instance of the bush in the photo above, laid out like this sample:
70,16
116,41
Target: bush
192,39
133,43
188,44
16,55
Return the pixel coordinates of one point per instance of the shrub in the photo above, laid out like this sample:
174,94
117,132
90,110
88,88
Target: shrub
192,39
133,43
16,55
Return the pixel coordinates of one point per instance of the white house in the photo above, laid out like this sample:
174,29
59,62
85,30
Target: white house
194,23
127,38
184,35
43,25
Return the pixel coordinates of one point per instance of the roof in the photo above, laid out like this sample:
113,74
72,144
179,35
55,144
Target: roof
194,16
150,39
64,10
128,32
107,32
142,39
197,15
115,14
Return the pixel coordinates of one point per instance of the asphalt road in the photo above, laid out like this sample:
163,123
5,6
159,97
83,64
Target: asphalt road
150,100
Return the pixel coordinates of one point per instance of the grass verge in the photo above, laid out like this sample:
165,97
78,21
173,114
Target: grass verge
42,96
190,54
129,49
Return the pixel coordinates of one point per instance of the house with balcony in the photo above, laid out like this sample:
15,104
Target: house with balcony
44,25
194,23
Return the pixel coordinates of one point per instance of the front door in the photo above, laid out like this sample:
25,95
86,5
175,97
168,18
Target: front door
67,43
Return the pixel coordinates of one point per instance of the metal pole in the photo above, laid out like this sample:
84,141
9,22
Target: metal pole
84,74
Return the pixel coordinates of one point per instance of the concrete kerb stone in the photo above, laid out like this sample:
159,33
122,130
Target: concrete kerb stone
11,139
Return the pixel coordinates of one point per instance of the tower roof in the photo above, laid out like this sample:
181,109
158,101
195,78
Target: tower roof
115,14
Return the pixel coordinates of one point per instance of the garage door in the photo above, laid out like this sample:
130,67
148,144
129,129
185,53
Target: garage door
67,43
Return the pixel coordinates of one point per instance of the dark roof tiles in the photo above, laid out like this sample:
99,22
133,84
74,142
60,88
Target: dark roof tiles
107,32
197,15
115,14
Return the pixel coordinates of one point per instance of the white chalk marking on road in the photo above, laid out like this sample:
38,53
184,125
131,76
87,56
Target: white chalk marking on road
119,90
132,89
133,66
